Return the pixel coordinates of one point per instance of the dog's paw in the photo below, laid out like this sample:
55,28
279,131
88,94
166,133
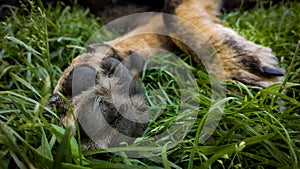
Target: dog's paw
249,63
107,100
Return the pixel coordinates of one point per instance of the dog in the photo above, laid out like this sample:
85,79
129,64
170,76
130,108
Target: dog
241,60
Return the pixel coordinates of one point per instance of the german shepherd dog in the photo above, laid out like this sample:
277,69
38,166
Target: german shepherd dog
241,60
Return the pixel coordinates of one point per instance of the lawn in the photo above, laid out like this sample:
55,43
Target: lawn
260,128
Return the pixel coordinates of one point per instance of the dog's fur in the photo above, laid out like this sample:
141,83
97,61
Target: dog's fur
242,60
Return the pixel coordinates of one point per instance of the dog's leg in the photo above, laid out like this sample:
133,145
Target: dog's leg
242,60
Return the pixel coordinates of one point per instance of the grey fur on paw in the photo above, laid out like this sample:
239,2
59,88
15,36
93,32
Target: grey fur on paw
115,106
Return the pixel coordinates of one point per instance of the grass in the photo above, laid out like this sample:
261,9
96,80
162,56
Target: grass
259,128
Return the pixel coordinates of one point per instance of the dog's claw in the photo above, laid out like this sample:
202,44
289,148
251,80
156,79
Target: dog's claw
273,71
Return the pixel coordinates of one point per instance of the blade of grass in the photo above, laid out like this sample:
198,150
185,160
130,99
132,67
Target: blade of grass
19,42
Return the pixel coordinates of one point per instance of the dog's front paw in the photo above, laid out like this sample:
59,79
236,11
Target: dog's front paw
250,63
107,100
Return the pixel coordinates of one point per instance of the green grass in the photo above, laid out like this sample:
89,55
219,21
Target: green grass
259,129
